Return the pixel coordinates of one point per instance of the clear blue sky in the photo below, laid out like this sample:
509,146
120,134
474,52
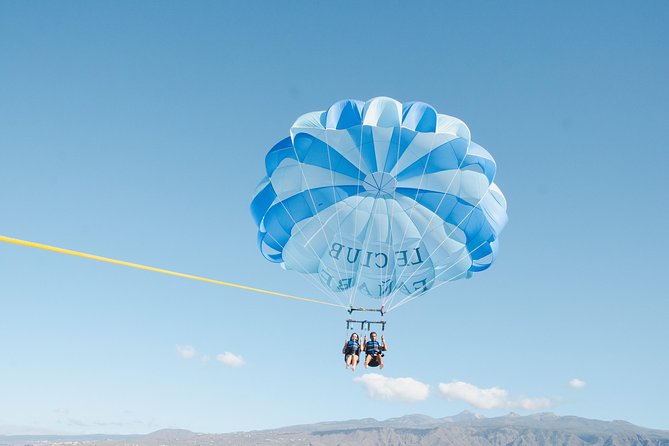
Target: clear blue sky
138,130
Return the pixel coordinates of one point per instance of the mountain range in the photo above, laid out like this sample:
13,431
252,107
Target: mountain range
464,429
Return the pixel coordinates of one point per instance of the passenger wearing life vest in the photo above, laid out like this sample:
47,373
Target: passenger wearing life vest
351,351
374,350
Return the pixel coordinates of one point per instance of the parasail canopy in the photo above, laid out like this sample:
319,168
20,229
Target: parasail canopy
379,200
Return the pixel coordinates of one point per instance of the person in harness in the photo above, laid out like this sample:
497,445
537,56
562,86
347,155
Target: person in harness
351,351
374,350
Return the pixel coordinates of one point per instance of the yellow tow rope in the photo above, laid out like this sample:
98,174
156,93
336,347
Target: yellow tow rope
16,241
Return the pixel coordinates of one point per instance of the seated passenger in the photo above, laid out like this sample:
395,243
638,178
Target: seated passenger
351,351
374,350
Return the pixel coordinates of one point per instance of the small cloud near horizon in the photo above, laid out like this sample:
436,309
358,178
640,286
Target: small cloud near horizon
186,351
576,383
491,398
230,359
406,390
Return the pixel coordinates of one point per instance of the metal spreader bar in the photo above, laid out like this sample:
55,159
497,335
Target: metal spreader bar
351,309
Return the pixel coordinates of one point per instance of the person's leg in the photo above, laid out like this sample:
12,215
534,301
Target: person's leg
348,360
354,361
380,359
367,359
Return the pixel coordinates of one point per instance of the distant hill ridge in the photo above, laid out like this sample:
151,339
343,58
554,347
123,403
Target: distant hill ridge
466,429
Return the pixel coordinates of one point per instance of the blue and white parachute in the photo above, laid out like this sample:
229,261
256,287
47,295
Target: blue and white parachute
379,199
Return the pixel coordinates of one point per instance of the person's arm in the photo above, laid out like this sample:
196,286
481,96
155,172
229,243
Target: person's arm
343,350
384,344
364,344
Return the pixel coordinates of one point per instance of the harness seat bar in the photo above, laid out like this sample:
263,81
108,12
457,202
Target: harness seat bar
365,323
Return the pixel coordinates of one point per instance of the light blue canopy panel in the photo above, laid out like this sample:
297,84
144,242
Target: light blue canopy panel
379,197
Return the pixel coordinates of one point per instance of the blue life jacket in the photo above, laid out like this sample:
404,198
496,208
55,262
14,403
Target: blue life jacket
373,348
352,347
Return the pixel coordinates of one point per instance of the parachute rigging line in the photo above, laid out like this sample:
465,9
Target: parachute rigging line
16,241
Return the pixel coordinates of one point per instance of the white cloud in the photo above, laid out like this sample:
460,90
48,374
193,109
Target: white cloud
576,383
532,403
393,389
186,351
230,359
492,398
